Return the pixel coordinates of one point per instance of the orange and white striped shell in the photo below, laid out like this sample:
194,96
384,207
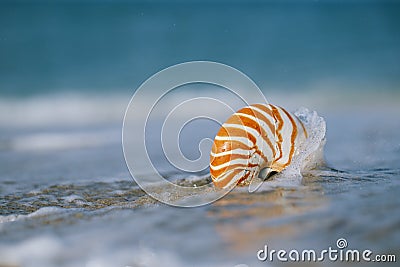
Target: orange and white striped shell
259,137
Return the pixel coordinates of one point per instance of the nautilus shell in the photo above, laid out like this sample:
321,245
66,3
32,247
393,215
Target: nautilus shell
256,141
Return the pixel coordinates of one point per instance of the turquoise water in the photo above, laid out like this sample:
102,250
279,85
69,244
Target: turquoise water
68,70
48,46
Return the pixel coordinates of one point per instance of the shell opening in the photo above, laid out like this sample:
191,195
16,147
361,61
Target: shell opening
266,173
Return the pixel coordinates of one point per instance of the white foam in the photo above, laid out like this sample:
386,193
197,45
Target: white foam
38,251
74,199
47,250
62,110
38,213
310,153
58,141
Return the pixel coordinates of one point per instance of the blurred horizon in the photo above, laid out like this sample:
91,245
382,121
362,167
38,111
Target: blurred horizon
94,47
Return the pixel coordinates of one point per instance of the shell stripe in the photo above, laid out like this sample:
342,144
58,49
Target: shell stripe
228,145
279,123
254,137
257,116
223,157
286,130
293,137
238,160
261,130
231,166
234,151
228,179
233,131
235,139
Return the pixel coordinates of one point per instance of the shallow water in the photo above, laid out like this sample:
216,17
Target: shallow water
77,205
67,72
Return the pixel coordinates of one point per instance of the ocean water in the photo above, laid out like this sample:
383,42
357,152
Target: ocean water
103,46
67,198
69,69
